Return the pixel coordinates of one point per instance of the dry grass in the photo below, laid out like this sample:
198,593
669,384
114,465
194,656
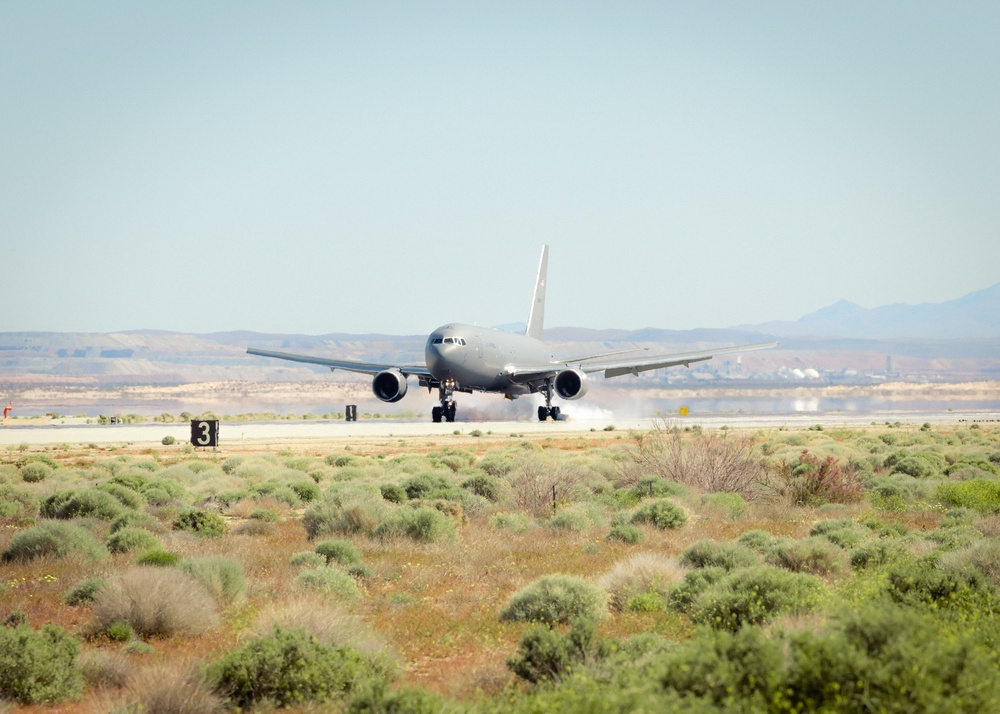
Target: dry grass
171,688
156,602
640,574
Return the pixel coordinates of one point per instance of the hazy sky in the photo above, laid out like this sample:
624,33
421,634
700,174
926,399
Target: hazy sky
388,167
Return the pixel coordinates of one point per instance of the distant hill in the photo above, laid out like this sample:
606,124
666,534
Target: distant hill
976,315
958,339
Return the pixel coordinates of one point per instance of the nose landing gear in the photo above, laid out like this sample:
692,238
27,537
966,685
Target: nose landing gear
447,409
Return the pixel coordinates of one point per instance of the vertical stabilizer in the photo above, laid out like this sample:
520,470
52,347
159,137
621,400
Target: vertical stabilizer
536,316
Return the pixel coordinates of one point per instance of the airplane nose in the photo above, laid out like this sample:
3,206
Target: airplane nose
434,359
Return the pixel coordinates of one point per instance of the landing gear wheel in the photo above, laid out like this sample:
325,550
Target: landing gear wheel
436,414
555,414
449,411
543,413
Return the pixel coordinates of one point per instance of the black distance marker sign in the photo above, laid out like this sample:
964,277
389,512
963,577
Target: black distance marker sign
205,432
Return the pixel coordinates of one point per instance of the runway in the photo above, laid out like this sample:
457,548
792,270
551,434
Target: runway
71,431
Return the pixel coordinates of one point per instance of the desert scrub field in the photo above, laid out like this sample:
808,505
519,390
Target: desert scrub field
672,570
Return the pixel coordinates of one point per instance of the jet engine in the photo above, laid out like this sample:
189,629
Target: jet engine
390,385
571,384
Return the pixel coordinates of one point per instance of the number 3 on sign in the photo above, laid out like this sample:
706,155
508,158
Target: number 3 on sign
205,432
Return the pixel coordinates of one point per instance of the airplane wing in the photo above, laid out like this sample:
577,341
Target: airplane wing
616,369
346,365
526,374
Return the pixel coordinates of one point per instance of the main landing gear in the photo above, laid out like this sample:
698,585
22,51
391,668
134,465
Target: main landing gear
447,409
548,410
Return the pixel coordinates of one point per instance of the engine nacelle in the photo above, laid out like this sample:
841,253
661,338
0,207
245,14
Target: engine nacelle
390,385
571,384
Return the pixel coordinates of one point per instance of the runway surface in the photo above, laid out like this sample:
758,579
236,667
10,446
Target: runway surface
70,431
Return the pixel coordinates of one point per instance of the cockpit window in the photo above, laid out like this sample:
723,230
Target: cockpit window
437,340
450,340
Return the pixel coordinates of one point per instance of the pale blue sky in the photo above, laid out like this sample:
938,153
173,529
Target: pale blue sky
325,167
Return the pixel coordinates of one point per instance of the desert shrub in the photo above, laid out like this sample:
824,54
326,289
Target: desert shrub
289,667
978,560
661,513
16,504
657,487
330,623
428,486
814,555
383,699
119,631
222,577
253,528
159,491
309,558
535,481
814,481
54,539
126,496
972,464
695,582
555,599
424,525
759,540
919,465
755,595
514,522
731,502
841,532
958,517
134,480
956,536
393,493
716,554
329,581
572,519
640,574
39,667
306,491
84,591
344,512
625,533
136,519
921,582
877,553
35,471
129,539
338,551
88,503
158,559
156,602
708,461
877,659
200,521
38,458
489,487
545,654
264,514
982,495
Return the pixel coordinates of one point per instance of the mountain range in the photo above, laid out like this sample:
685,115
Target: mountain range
975,315
958,339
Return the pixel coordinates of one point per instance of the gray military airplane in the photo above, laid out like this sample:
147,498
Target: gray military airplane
464,358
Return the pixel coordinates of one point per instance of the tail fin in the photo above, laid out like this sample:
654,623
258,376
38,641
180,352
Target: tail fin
536,316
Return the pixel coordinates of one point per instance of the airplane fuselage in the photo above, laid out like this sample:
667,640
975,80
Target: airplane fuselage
481,359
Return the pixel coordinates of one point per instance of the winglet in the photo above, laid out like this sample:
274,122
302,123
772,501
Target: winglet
537,313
